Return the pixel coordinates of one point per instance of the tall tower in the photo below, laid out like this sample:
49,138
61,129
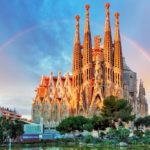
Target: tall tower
118,61
76,69
141,90
108,53
87,49
142,105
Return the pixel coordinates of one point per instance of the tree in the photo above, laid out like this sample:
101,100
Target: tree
142,121
74,123
138,122
117,109
99,123
10,128
146,121
88,126
123,133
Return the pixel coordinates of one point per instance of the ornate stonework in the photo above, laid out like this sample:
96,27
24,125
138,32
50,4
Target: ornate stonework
136,99
96,73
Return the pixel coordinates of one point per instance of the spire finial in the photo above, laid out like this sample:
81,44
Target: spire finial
77,18
117,18
117,34
87,6
117,15
87,28
107,5
107,23
77,38
77,23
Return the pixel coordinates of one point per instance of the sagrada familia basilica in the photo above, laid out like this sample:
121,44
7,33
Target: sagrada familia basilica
97,72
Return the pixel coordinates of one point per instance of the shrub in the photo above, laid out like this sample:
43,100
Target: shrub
139,133
88,139
120,134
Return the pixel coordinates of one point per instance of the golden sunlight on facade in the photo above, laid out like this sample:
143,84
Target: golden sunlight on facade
97,72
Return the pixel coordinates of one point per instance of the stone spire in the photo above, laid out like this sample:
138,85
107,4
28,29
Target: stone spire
76,55
141,89
87,47
107,37
117,44
77,36
108,55
142,100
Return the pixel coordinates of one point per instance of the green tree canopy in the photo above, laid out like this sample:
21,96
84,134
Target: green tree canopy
139,121
142,121
74,123
121,134
10,128
99,122
115,109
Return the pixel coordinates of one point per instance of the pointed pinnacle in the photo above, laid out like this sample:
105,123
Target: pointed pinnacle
117,15
117,18
77,18
87,6
107,5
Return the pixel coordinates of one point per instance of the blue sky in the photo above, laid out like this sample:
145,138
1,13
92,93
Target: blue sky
36,37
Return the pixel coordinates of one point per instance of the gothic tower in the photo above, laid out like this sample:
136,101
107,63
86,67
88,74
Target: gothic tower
87,50
108,53
76,69
117,61
142,106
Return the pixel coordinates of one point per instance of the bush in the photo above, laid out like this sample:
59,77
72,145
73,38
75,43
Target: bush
88,127
88,139
72,124
146,138
138,133
123,133
120,134
147,133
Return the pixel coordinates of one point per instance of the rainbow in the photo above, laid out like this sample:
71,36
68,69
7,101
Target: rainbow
20,34
16,36
138,47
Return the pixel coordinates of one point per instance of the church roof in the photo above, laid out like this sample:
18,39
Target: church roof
125,66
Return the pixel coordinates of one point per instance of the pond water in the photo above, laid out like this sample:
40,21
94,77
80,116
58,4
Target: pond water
79,148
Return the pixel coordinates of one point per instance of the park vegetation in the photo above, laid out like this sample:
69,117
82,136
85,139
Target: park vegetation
10,129
110,124
114,111
142,121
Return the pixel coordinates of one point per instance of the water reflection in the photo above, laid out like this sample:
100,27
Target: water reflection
78,148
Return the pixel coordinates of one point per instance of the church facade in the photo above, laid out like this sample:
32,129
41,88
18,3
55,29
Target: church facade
97,72
135,96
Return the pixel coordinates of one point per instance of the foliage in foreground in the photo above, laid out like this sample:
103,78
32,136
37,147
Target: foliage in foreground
79,123
117,109
120,134
114,110
10,129
142,121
